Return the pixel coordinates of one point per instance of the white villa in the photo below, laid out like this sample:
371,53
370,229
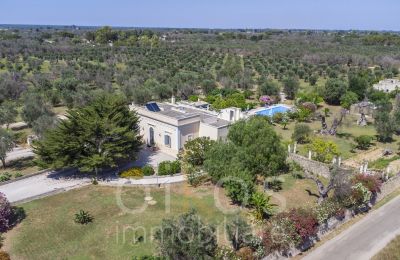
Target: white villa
387,85
169,126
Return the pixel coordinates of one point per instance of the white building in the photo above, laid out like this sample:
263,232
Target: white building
168,126
387,85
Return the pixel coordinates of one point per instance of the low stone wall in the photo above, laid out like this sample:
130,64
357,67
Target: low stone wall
317,168
389,187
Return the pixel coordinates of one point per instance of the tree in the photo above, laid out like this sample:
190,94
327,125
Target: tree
384,125
358,84
259,147
301,133
348,99
8,113
186,237
334,90
196,149
6,213
34,107
269,88
325,150
291,86
92,137
239,232
43,124
6,144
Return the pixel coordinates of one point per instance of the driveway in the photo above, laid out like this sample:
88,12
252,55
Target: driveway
19,153
47,183
42,184
365,238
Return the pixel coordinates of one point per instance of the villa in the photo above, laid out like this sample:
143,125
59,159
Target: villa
168,126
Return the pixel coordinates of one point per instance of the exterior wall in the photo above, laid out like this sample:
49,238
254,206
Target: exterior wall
208,131
223,133
188,131
160,129
231,114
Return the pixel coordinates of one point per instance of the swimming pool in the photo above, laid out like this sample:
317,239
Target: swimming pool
272,110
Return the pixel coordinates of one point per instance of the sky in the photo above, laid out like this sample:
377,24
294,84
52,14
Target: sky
277,14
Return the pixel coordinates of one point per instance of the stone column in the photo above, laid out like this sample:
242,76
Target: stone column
309,155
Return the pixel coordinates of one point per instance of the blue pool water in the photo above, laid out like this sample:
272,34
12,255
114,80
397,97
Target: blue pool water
270,111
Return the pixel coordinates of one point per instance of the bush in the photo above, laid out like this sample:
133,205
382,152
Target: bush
363,141
132,173
239,232
18,175
5,177
6,213
148,170
277,118
275,185
371,182
83,217
169,167
4,256
327,209
197,178
301,133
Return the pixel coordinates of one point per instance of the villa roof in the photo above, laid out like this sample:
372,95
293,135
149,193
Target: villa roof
181,112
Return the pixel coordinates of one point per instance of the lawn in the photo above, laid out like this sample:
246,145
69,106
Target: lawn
19,168
390,252
295,193
49,232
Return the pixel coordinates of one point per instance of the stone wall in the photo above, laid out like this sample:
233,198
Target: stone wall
317,168
389,187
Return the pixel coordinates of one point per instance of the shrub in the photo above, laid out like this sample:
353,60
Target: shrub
305,222
5,177
197,178
301,133
363,141
371,182
148,170
83,217
4,256
277,118
239,232
132,173
275,184
360,196
6,213
327,209
18,175
169,167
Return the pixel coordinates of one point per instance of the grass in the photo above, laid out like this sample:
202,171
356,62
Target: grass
390,252
295,193
49,231
20,167
382,163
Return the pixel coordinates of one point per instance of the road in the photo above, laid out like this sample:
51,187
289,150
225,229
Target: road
19,153
365,238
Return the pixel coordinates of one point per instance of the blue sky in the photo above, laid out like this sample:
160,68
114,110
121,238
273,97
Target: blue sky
309,14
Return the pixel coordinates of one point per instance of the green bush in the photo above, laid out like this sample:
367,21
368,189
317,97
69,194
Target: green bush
363,141
132,173
18,174
275,185
5,177
148,170
301,133
169,167
83,217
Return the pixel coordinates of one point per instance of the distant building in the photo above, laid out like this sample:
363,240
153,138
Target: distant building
387,85
168,126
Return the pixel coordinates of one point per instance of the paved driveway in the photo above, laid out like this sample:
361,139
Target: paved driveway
365,238
40,185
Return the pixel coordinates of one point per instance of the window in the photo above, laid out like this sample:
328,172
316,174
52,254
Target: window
190,137
167,140
231,115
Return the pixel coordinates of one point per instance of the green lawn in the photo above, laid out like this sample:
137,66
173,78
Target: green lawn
49,232
390,252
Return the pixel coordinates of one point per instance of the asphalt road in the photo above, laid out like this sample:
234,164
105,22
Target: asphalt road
365,238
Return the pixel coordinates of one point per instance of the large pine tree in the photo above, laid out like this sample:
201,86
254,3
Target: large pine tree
93,137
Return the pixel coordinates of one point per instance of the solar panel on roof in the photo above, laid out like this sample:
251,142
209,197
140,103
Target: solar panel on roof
153,107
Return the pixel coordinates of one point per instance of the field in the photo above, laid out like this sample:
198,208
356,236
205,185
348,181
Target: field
390,252
49,232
